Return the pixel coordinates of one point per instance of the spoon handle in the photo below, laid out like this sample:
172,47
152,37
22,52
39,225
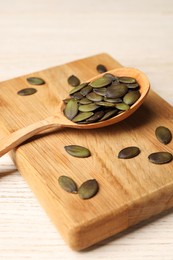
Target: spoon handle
14,139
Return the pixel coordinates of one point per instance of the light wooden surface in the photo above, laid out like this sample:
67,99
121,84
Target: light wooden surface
40,34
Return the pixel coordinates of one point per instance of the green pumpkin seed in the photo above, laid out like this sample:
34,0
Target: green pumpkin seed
101,68
97,115
111,76
131,97
35,81
116,91
94,97
100,91
73,81
85,101
77,151
71,109
82,116
127,80
78,88
109,114
163,134
105,104
26,91
113,100
77,95
88,108
133,85
122,106
86,90
100,82
160,157
88,189
128,152
67,184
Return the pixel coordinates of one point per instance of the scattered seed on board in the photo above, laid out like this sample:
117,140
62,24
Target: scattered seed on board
163,134
128,152
88,189
27,91
78,151
35,81
73,81
67,184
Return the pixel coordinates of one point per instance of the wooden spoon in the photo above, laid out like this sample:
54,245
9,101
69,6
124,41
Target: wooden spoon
59,120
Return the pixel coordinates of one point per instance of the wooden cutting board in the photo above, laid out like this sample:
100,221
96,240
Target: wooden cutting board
130,190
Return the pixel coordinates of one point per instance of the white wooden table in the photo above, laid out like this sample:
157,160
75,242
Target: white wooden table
37,34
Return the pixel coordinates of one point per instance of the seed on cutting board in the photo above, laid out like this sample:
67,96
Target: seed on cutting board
78,88
122,106
78,151
128,152
26,91
127,80
94,97
116,91
35,81
67,184
101,68
82,116
84,91
71,109
97,115
88,189
88,108
163,134
160,157
131,97
100,82
73,81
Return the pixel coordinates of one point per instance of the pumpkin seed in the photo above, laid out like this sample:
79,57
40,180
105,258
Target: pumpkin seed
82,116
88,108
116,91
35,81
26,91
113,100
122,106
128,152
163,134
88,189
71,109
94,97
111,76
73,81
100,91
109,114
66,100
77,95
97,115
84,91
131,97
160,157
85,101
67,184
101,68
78,88
105,104
100,82
132,85
77,151
127,80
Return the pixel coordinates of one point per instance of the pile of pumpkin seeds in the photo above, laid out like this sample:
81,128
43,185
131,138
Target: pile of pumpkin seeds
100,99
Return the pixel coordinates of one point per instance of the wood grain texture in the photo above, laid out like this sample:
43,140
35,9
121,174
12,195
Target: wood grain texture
130,191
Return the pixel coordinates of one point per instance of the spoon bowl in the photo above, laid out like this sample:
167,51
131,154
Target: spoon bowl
59,120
